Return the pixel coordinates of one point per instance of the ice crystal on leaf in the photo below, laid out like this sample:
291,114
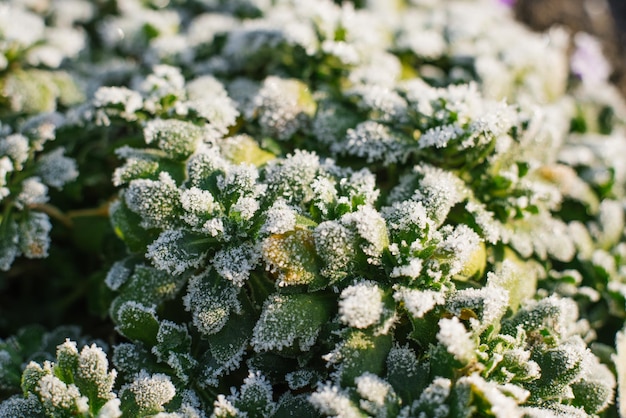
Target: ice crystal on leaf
361,305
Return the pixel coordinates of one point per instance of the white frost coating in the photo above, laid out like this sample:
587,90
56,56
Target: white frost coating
459,244
151,392
361,305
129,100
197,203
412,269
439,190
235,263
223,408
93,366
245,207
329,400
33,192
489,303
370,226
372,388
280,218
453,335
55,395
167,253
619,358
111,409
419,302
502,406
435,396
16,147
374,141
34,235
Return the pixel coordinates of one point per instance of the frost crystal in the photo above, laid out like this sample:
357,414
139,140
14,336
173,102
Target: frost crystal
419,302
33,192
280,218
361,305
168,253
372,388
151,392
331,401
55,169
235,263
453,335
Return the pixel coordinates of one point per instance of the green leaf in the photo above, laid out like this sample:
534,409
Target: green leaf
138,323
126,226
290,321
361,352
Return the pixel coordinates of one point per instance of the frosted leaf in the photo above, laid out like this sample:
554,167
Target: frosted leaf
419,302
439,191
375,142
361,305
9,245
440,136
16,147
411,269
34,235
287,319
58,397
150,392
236,263
325,194
256,394
283,106
301,378
290,257
291,178
224,408
408,218
219,111
500,404
433,400
383,104
610,226
198,205
92,373
164,80
373,388
241,180
520,281
20,25
489,227
210,301
360,187
489,304
55,169
371,228
460,244
279,218
111,409
455,338
178,139
173,252
334,243
134,168
402,360
118,101
619,358
33,192
331,401
19,406
244,209
155,201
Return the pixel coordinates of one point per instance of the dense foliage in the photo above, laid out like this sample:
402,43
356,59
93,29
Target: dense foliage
274,208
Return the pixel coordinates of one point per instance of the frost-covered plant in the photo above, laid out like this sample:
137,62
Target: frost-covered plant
401,209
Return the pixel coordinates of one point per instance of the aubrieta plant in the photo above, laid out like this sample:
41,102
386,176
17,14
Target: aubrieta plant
412,208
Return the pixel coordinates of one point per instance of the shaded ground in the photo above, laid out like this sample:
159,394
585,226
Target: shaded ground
605,19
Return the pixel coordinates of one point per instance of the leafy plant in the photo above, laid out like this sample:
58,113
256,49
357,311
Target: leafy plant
396,209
